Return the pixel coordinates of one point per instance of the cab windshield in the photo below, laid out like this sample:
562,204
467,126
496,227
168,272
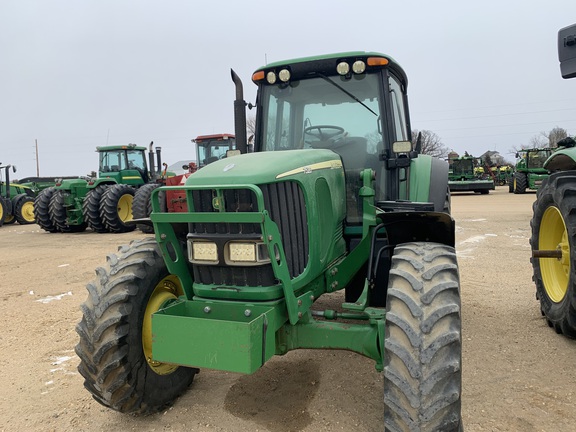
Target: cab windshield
323,112
119,160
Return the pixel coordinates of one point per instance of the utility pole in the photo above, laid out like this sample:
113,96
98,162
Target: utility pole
37,161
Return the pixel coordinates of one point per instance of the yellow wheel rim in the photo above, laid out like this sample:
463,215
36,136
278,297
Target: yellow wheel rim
9,219
125,207
28,211
555,271
167,289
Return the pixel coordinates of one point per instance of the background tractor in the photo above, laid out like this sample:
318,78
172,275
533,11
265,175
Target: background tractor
16,200
467,175
209,148
529,171
553,238
103,203
333,199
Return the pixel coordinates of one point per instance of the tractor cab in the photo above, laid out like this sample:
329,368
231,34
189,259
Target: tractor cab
127,164
210,148
354,105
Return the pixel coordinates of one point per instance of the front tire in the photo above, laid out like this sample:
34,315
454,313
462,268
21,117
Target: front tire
520,183
116,337
423,344
116,208
553,222
24,210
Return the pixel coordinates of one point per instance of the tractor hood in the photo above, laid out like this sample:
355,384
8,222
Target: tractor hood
265,167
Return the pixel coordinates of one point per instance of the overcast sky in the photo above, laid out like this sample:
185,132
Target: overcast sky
482,75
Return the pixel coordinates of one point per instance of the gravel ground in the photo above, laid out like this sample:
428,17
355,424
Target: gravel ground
518,374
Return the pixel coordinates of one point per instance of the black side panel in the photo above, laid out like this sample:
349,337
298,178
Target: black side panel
438,183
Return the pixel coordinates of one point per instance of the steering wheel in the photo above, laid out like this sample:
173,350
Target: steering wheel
324,133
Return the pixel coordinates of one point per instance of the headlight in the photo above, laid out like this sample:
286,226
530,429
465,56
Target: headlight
246,253
202,252
284,75
271,77
343,68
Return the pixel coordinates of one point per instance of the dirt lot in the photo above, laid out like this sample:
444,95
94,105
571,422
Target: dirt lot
518,374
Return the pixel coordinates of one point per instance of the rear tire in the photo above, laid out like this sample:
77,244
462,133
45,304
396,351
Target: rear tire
42,210
521,183
142,205
91,209
553,222
59,215
24,209
114,346
116,208
423,344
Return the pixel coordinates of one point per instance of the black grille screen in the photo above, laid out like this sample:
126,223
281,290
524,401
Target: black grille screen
285,204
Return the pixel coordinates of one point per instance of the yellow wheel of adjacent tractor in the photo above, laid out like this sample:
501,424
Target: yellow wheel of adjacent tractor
553,243
115,333
24,210
555,271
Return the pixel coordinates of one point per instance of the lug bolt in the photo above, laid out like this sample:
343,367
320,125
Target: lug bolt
207,309
247,312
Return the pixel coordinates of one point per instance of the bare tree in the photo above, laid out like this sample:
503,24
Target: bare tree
556,135
547,139
431,143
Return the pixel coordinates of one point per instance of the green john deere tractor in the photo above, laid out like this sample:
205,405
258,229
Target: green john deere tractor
16,200
553,223
333,198
464,176
529,171
104,203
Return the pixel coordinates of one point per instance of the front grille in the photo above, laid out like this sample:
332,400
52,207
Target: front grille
286,207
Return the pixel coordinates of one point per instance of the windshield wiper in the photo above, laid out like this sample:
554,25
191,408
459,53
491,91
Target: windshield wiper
338,86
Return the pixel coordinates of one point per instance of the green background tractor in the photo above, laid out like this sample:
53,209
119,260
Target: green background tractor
464,176
553,223
333,199
529,171
103,204
16,200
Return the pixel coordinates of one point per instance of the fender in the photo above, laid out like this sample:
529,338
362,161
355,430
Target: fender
428,181
563,159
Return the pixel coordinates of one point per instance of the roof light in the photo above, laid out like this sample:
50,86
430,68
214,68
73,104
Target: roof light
343,68
258,76
377,61
271,77
359,67
284,75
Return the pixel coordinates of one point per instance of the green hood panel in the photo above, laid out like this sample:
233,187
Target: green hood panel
264,167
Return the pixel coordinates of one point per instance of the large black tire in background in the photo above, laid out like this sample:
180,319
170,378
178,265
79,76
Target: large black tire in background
142,205
59,216
116,208
115,332
42,210
423,344
520,183
91,209
553,228
24,209
511,184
